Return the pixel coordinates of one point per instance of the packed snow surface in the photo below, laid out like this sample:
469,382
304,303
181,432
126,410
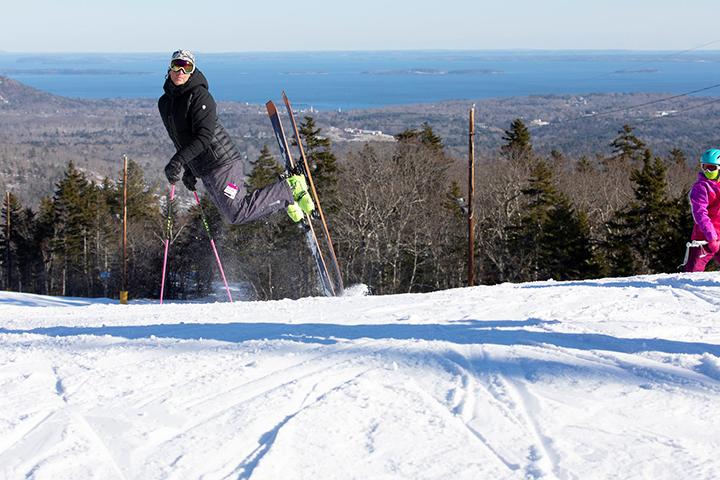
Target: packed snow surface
612,378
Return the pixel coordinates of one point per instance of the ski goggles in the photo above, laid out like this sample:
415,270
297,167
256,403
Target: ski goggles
179,64
708,167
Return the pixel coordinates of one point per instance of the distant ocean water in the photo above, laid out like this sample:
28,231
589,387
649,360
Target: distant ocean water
353,80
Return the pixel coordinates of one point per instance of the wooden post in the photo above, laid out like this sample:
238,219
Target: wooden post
471,193
123,290
7,240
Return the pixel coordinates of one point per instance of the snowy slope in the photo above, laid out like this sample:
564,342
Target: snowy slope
614,378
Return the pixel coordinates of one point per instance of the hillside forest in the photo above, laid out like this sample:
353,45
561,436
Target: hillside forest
396,211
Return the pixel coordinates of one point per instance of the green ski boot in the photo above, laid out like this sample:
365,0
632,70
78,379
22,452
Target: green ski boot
295,212
302,197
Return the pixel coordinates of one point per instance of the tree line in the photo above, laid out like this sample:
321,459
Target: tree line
396,214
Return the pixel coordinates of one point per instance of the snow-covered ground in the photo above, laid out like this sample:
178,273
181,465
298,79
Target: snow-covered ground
613,378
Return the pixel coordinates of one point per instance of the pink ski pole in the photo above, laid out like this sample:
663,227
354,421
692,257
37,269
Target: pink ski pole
212,242
168,232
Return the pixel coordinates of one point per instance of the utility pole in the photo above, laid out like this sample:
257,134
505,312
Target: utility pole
7,239
471,193
123,291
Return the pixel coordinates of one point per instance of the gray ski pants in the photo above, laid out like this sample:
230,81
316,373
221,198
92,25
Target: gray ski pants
226,187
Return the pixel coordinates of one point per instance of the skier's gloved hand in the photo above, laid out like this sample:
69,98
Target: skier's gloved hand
189,180
173,169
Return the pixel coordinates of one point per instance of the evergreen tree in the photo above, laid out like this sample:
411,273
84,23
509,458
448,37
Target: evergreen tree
677,157
644,235
552,238
21,253
32,272
518,144
100,229
323,164
10,242
454,202
71,212
107,238
425,136
565,246
627,147
539,197
265,171
44,232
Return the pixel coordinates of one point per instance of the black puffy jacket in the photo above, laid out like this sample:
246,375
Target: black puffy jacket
189,114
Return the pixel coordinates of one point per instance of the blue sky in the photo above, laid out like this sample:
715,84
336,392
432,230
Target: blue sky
281,25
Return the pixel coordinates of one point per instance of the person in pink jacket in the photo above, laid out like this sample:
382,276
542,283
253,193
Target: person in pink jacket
705,206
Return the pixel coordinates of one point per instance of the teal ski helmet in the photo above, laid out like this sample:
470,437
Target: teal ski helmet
711,157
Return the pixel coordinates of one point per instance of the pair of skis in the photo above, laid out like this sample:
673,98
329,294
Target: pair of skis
331,284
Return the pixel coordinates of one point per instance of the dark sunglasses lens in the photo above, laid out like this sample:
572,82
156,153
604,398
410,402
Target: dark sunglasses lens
709,168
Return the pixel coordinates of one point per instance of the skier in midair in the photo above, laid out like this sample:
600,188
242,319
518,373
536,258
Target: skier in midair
705,206
206,151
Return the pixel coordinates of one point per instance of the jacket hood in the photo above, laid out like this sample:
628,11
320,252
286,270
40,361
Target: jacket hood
197,79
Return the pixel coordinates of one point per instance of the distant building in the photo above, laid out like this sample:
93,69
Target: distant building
539,122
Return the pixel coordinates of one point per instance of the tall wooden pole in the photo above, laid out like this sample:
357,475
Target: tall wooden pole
471,194
7,239
123,291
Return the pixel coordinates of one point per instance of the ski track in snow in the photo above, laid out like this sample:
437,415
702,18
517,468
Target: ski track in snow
514,402
612,378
